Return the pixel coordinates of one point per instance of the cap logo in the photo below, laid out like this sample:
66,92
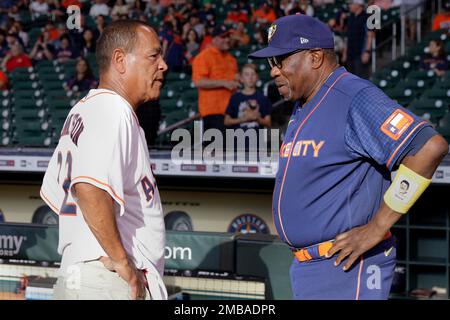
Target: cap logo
303,40
271,32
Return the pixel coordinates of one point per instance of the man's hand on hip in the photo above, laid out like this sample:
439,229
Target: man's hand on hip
354,243
128,272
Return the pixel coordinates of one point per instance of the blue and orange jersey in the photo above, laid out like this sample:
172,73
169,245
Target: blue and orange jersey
336,159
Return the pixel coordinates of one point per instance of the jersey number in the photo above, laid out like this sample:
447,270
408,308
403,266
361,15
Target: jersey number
148,187
67,208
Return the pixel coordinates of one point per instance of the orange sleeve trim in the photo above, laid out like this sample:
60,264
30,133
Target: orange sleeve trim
403,142
49,202
101,183
86,99
358,286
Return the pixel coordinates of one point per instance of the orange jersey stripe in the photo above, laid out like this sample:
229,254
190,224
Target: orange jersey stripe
401,144
290,153
87,98
103,184
358,287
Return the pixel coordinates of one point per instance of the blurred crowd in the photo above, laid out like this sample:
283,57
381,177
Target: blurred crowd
187,29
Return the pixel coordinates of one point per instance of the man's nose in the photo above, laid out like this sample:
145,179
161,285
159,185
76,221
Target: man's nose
163,65
274,72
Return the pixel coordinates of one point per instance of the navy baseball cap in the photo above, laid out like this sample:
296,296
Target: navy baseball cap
291,33
221,30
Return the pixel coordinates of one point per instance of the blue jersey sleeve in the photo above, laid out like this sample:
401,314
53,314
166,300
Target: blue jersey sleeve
378,128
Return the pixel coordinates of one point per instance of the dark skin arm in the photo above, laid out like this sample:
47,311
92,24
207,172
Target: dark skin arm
97,208
352,244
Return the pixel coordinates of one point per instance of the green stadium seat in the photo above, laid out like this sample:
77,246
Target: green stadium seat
438,93
421,74
401,95
29,137
52,85
168,93
175,76
429,109
25,85
168,105
179,86
444,127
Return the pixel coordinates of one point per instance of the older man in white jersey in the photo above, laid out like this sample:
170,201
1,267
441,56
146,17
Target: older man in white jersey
100,181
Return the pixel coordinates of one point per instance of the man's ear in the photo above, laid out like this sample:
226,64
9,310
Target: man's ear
317,58
118,60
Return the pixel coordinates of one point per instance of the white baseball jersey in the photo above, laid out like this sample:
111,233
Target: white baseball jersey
102,144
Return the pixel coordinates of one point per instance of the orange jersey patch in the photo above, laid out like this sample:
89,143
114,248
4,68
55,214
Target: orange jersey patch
396,124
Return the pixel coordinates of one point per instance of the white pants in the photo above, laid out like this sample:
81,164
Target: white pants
90,280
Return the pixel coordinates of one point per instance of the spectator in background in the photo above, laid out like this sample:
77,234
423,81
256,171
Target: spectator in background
16,58
194,23
3,81
12,39
207,13
65,52
120,9
99,8
207,38
52,31
411,17
76,35
5,7
192,44
248,108
2,216
56,10
42,49
239,37
260,37
89,43
265,15
153,8
3,44
149,116
83,79
442,19
100,24
359,40
66,3
236,15
17,28
435,59
306,7
14,13
214,72
39,8
172,48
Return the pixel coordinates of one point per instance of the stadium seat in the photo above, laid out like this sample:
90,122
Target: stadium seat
429,109
438,93
401,95
30,137
444,127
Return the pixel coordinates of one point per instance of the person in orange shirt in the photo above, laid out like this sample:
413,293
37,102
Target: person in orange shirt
215,74
264,15
442,20
3,84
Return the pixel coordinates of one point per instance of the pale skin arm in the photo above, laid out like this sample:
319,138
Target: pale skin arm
357,241
97,208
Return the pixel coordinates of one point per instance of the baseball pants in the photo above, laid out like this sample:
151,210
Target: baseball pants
369,278
90,280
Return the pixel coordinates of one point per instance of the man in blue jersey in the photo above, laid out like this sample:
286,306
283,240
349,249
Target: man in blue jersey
334,202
